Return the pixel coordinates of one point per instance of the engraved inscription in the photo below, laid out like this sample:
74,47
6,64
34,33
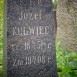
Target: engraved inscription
33,45
31,60
44,3
38,45
33,30
35,2
30,16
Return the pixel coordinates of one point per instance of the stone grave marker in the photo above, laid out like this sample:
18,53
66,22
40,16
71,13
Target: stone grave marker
31,38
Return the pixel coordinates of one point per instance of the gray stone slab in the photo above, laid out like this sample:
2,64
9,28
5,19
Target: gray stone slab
31,39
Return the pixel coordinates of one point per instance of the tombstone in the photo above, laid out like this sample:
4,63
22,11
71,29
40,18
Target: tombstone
30,39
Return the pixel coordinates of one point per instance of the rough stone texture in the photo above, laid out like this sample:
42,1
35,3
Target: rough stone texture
67,24
31,52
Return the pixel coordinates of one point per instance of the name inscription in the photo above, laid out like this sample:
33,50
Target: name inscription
30,16
33,30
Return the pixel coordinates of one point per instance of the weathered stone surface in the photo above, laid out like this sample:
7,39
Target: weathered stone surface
30,39
67,24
